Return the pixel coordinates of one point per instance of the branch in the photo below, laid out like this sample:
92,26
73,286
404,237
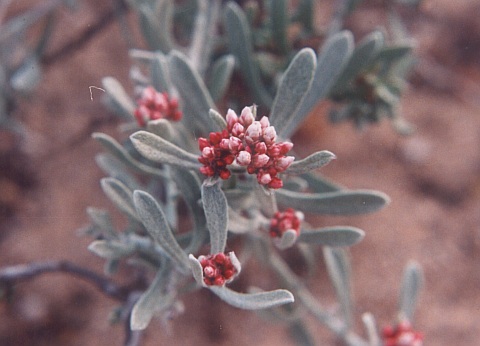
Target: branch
23,272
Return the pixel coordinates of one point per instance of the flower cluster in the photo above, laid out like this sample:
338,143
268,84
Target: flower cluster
251,144
402,335
219,269
153,105
284,221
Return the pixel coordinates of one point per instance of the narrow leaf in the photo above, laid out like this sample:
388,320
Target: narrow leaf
216,212
253,301
160,150
110,249
338,267
124,156
334,203
331,60
197,270
310,163
217,117
240,44
120,100
296,81
120,195
221,73
153,300
102,220
332,236
114,168
411,284
280,21
192,91
159,70
156,224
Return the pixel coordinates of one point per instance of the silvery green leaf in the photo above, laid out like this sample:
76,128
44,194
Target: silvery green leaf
162,128
389,55
253,301
193,92
304,14
152,300
120,195
299,332
216,212
239,224
319,184
221,73
157,226
361,57
124,156
296,81
240,45
334,203
110,249
217,117
287,239
156,24
411,284
120,100
157,149
197,270
311,162
27,77
331,60
159,70
332,236
371,328
114,168
279,21
102,220
338,266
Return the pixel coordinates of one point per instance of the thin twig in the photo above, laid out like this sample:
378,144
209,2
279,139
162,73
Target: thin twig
23,272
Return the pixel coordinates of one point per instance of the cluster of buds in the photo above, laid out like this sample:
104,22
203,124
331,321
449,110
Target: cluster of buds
153,105
402,335
219,269
285,221
251,144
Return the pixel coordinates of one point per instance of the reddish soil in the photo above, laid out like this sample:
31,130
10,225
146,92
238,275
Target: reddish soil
432,177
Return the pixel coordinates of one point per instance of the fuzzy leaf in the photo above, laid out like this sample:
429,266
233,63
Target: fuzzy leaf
114,168
159,70
311,162
122,103
197,270
332,236
151,301
389,55
217,117
156,24
160,150
253,301
102,220
162,128
280,21
216,212
331,60
287,240
334,203
240,44
319,184
192,91
124,156
110,249
361,57
120,195
338,267
221,73
156,224
295,83
411,284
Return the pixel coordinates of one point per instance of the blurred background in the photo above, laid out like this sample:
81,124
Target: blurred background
48,177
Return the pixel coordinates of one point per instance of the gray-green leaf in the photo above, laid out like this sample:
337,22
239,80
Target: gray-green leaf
110,249
122,103
334,203
221,72
295,83
160,150
311,162
332,236
253,301
216,212
411,284
156,224
120,195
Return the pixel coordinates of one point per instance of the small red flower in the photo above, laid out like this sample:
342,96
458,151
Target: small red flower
284,221
153,105
402,335
252,144
219,269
